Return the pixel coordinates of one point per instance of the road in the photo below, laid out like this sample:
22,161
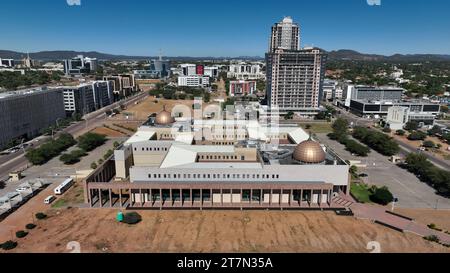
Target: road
406,148
18,162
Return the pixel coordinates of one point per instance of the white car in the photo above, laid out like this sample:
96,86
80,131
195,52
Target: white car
49,199
21,189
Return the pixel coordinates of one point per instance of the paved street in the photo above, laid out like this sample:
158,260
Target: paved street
358,121
412,193
17,161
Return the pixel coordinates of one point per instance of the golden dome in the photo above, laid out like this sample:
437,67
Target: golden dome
164,118
309,151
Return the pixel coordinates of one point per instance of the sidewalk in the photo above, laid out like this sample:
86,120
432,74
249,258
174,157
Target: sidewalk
379,214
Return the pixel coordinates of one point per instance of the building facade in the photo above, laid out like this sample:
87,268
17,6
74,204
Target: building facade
295,79
123,85
246,71
165,165
194,81
80,65
8,63
79,99
285,35
25,113
242,88
103,93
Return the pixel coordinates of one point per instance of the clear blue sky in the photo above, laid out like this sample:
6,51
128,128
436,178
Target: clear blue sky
222,28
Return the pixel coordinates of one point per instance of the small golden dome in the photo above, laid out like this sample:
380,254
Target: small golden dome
164,118
309,152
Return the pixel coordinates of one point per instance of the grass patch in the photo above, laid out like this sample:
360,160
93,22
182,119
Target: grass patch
318,128
59,204
360,192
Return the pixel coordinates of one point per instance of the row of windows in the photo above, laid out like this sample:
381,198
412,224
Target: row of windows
152,149
219,157
216,176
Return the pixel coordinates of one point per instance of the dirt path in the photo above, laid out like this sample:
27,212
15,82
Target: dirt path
216,231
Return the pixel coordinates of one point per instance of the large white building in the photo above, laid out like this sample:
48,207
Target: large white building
193,81
190,163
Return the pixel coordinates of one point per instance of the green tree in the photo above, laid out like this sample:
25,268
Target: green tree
411,126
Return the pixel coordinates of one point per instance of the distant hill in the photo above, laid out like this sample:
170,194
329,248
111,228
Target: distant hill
344,54
62,55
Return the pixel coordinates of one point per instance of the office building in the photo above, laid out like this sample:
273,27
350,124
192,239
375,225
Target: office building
211,71
25,113
189,69
397,117
294,80
123,85
7,63
79,99
80,65
420,111
246,71
242,88
241,164
103,93
294,77
193,81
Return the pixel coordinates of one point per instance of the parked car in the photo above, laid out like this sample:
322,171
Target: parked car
49,199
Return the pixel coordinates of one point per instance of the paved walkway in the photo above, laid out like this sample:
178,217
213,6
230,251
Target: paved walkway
379,214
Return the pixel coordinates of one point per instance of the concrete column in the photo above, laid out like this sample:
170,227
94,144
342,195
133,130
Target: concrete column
291,197
251,196
120,198
100,198
192,197
171,198
160,198
312,194
181,197
90,198
301,197
141,196
270,197
320,198
221,196
201,198
261,196
110,198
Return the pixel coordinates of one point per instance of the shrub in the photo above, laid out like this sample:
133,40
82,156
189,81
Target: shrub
8,245
50,149
382,196
30,226
90,141
417,135
432,238
21,234
132,218
378,141
387,130
40,216
400,132
429,144
93,165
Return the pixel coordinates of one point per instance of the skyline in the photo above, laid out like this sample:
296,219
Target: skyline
206,29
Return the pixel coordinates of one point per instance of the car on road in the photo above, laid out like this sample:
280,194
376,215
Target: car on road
22,189
363,175
49,199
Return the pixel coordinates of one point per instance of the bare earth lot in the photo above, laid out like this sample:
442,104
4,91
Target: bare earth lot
216,231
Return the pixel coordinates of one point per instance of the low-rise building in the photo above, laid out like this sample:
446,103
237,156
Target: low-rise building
219,164
194,81
242,88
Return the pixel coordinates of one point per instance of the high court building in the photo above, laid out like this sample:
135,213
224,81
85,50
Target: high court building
216,164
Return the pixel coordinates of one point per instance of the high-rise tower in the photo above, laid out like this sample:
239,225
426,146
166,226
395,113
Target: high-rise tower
285,35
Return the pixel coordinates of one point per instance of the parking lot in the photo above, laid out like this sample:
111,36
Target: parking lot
411,192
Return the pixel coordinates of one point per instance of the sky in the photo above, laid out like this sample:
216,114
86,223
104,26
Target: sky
200,28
